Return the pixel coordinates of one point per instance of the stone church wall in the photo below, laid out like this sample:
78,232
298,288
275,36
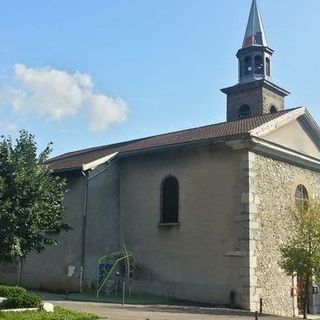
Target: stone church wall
193,260
272,194
271,98
251,97
260,100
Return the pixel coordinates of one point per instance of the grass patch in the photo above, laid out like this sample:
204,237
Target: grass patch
58,314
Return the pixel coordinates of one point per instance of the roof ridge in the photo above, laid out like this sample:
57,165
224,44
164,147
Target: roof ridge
216,124
175,136
118,144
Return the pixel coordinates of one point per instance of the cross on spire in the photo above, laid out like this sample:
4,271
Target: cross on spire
255,34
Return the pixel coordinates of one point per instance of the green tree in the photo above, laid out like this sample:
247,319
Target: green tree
301,255
30,200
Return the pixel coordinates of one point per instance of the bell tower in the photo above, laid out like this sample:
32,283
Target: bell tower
255,94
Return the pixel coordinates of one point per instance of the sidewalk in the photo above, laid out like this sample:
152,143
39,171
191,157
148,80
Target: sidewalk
159,312
112,311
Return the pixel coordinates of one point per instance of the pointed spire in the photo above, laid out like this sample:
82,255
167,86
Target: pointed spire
255,34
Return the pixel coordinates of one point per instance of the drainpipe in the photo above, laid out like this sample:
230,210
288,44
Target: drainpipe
83,231
84,220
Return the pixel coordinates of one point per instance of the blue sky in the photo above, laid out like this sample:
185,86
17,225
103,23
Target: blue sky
82,73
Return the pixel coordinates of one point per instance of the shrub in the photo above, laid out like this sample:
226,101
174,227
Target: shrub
58,314
5,291
21,300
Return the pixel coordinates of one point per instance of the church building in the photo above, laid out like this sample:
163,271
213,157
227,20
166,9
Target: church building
204,210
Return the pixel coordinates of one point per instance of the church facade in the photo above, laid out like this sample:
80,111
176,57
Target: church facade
203,210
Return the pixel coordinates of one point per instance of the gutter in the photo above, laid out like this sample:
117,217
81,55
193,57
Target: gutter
284,154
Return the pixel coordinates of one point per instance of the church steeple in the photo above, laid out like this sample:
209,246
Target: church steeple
255,34
255,94
255,54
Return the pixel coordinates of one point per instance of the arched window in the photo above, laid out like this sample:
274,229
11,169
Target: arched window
247,67
170,200
301,197
273,109
258,64
268,67
244,111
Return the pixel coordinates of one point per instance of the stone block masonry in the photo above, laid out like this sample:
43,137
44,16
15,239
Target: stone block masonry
275,185
259,98
246,234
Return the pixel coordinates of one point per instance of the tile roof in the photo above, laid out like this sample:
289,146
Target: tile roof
220,131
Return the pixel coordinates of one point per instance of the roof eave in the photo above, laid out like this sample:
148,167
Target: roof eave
254,84
62,170
97,162
245,50
281,153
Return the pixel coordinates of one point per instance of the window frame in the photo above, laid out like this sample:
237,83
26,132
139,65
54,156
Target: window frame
161,221
301,197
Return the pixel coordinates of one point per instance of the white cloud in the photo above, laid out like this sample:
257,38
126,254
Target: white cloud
57,94
106,111
7,127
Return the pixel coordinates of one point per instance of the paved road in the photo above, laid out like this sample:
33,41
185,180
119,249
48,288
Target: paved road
118,312
153,312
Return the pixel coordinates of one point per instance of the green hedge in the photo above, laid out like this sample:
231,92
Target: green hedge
5,291
58,314
21,300
17,297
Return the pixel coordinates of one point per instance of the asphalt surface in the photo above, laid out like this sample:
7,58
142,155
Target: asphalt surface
159,312
153,312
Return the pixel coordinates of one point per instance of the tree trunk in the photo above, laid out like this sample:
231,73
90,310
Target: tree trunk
306,299
20,271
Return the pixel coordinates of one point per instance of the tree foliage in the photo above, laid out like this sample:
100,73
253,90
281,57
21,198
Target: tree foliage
30,199
301,255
